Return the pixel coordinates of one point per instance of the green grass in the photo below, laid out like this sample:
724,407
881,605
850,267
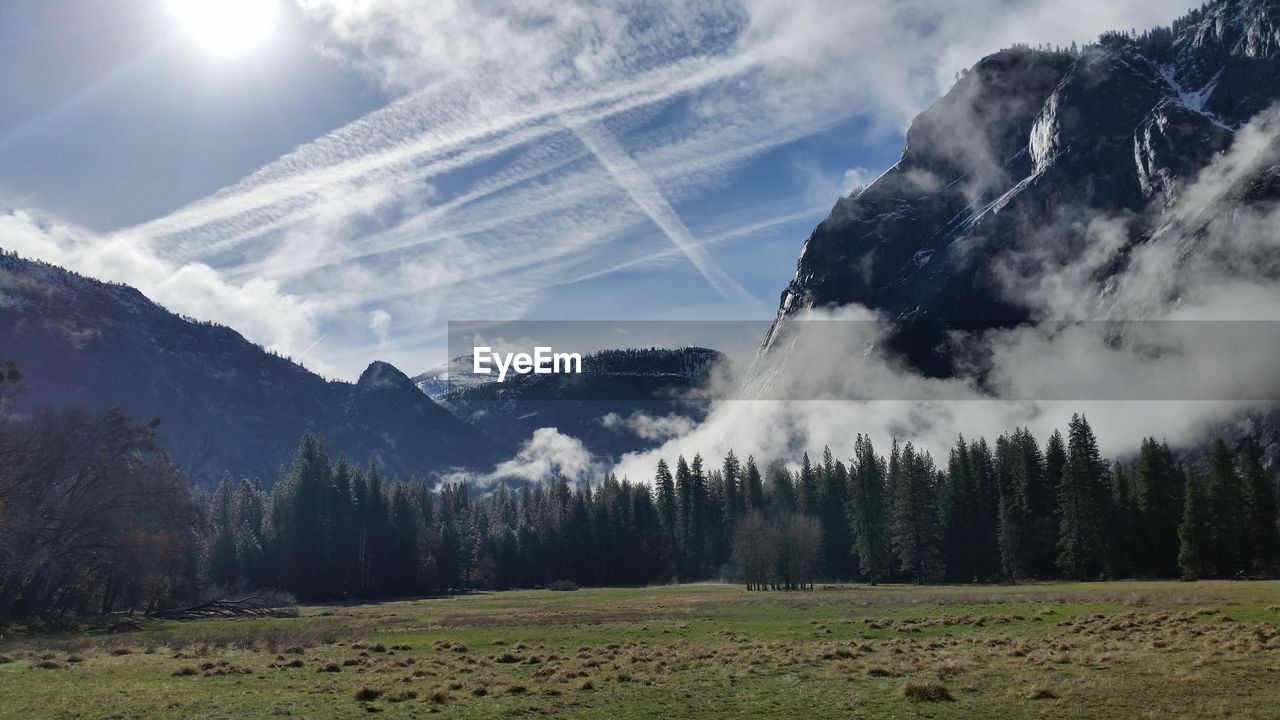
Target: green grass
1137,649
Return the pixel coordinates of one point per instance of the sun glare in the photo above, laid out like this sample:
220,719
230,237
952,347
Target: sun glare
225,28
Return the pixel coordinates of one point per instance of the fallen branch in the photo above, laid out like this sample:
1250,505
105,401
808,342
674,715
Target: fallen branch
254,606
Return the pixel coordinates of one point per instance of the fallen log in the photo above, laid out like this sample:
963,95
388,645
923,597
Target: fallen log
254,606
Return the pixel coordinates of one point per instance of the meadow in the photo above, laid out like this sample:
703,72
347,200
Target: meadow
1095,650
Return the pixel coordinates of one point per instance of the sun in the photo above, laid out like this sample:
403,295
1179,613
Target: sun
226,28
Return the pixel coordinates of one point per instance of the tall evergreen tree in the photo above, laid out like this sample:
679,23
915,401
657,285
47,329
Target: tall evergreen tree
1014,520
1195,531
915,526
733,500
1158,486
867,516
833,518
1262,545
753,487
1080,493
807,487
1226,509
667,514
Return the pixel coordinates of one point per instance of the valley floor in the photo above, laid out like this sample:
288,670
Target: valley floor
1099,650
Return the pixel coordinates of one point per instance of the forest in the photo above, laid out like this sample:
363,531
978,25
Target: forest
94,517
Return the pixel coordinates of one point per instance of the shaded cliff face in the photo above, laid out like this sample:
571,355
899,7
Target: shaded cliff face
1028,140
225,405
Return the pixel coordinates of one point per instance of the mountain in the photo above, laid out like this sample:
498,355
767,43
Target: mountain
623,401
224,403
1027,148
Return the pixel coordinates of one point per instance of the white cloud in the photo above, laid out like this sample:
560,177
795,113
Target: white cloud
546,454
649,427
380,324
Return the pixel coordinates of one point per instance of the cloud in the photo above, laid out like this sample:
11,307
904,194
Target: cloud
546,454
379,322
645,193
649,427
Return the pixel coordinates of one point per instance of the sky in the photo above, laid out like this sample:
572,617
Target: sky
338,179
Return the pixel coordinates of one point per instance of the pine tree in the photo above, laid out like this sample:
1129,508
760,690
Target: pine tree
807,487
733,498
1195,532
753,487
868,520
686,540
963,527
701,534
781,488
833,518
299,518
1122,531
1262,543
1226,509
1083,485
986,510
667,514
1014,516
1158,486
222,565
914,530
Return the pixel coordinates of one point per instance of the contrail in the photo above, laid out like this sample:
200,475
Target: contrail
645,193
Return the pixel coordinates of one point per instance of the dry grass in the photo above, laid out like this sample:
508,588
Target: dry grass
926,692
1152,649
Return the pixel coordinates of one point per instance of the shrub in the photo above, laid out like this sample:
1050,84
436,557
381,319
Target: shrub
563,585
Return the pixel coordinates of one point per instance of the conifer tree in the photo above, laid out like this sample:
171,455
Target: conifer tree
986,510
867,517
1014,516
1083,485
1226,509
667,512
915,527
781,489
221,563
753,487
731,471
833,518
807,487
1262,544
1195,531
962,539
1157,487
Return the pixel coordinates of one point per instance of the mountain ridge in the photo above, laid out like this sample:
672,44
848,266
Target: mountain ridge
226,404
1116,128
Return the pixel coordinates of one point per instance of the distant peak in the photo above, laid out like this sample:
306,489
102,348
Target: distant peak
381,374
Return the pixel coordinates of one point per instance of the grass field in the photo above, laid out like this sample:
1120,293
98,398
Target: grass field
1158,650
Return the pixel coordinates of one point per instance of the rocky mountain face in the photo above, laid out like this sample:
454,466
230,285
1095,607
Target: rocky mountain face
1030,142
623,401
225,404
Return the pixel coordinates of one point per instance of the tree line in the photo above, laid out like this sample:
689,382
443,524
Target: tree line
1007,510
95,518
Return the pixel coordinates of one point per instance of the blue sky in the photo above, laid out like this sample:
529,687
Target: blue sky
370,170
